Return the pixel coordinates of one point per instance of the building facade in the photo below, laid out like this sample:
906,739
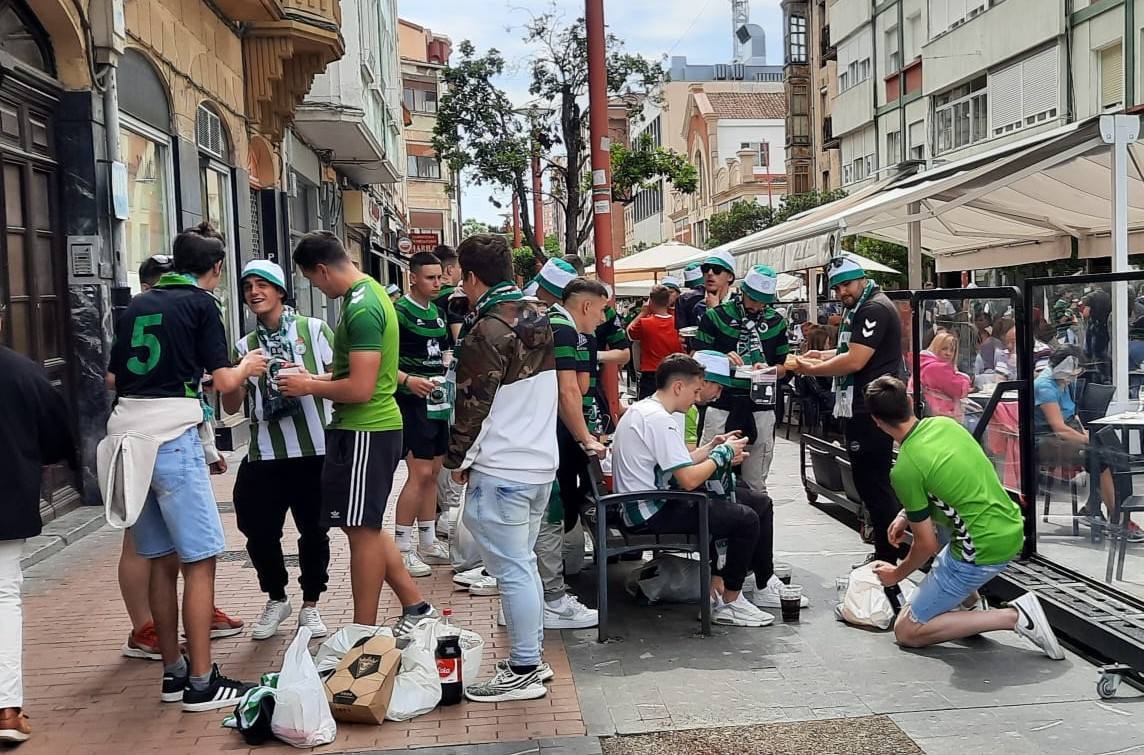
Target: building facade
432,191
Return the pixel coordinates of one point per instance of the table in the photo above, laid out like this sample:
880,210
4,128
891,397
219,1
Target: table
1127,420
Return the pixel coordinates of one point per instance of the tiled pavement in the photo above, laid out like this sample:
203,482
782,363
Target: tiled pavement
83,697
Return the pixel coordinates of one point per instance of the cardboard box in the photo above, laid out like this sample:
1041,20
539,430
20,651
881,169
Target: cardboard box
361,685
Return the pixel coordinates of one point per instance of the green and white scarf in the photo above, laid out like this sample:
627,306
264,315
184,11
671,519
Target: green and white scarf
278,348
498,294
844,384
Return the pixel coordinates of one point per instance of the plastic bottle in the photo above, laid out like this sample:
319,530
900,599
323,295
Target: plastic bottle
449,666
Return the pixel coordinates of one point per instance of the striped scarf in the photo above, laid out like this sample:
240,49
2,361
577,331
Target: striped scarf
844,384
495,296
279,351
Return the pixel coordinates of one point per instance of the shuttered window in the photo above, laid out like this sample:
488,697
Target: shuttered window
1025,93
1111,77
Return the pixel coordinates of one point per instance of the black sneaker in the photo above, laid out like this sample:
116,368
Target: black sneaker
173,687
220,693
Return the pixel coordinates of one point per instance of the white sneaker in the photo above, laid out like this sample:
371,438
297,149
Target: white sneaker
436,554
484,586
414,565
310,618
569,613
741,613
768,597
466,578
1033,625
272,616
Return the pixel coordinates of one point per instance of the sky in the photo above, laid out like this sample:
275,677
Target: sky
698,29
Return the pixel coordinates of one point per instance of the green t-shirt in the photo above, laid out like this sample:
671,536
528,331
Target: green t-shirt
368,323
943,473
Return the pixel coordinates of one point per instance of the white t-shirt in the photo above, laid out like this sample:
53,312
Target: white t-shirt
646,448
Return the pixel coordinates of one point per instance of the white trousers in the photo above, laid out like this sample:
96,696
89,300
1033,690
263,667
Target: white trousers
11,625
758,465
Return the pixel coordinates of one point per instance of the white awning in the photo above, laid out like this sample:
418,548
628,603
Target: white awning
656,259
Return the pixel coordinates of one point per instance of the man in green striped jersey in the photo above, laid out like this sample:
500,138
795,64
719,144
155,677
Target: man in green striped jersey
749,330
283,466
420,368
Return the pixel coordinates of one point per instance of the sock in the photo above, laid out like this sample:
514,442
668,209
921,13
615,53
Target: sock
426,534
200,683
417,609
404,537
521,670
178,668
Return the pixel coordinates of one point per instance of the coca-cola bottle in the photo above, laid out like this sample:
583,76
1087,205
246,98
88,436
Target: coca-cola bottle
449,666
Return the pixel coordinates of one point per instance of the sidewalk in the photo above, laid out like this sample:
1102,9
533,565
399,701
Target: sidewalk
660,689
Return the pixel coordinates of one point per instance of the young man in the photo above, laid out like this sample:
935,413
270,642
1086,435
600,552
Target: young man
450,279
503,444
165,340
654,329
34,433
869,346
283,466
423,336
751,333
944,479
649,453
363,440
684,307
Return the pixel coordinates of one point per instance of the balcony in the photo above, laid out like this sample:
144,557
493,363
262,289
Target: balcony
829,140
288,43
827,51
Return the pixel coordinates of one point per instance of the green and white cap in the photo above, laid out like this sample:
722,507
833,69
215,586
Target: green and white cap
392,289
721,258
761,284
692,275
716,367
843,269
671,282
531,288
554,276
267,270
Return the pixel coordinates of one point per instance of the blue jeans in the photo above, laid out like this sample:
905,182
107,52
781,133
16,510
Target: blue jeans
180,515
504,518
949,582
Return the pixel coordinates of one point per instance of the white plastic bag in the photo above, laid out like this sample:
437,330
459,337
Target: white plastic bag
302,716
666,579
462,547
866,604
417,688
331,652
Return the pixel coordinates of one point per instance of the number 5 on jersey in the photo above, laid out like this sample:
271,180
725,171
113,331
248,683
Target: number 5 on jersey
148,342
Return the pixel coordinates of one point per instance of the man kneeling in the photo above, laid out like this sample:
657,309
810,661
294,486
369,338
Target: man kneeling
649,453
943,477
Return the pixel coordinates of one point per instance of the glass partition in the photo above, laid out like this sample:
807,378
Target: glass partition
1087,424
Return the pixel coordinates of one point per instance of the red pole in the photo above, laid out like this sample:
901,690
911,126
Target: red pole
515,222
600,146
537,199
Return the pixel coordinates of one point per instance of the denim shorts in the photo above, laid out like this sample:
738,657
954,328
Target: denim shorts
180,515
949,582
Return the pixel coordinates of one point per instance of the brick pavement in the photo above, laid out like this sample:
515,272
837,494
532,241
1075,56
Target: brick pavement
83,697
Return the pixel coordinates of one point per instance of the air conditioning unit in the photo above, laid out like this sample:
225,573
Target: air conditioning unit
720,71
208,132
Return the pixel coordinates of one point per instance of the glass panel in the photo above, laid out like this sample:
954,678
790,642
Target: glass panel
13,196
42,266
49,329
17,40
218,203
40,198
17,266
147,231
20,335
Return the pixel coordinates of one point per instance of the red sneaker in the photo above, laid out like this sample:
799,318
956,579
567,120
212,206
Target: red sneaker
14,726
143,643
225,626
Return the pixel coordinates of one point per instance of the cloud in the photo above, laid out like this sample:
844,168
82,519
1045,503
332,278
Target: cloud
698,29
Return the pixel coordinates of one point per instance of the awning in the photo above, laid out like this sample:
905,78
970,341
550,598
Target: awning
657,259
389,256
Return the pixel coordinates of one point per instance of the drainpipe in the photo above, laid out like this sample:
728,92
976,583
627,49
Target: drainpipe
109,35
111,127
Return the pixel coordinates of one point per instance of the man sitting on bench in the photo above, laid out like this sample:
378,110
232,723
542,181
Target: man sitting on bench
943,478
649,453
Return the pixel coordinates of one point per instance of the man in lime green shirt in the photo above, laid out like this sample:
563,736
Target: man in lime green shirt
943,478
363,440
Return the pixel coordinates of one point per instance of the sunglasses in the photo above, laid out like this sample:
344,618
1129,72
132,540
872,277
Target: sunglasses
713,269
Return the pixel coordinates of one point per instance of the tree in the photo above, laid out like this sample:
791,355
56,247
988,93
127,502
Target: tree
888,253
552,246
743,219
472,226
638,168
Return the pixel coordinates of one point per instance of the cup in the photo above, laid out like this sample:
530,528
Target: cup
290,371
841,585
446,358
790,597
782,571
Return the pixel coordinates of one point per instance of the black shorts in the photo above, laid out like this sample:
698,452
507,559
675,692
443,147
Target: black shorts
423,437
358,476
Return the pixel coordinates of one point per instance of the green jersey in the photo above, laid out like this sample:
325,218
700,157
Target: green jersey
368,323
943,474
422,337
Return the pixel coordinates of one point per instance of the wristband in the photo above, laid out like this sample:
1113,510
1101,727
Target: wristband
405,381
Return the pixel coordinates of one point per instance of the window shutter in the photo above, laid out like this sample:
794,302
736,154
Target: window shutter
1111,77
1041,86
938,17
1005,98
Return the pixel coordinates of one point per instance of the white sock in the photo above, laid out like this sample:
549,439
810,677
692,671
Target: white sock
404,537
555,604
426,533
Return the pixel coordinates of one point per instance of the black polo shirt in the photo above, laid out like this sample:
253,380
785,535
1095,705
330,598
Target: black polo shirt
878,326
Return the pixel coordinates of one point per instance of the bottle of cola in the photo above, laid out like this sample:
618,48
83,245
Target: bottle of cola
449,666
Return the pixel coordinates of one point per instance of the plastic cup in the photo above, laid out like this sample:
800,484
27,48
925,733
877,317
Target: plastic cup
446,358
841,585
290,371
783,571
790,596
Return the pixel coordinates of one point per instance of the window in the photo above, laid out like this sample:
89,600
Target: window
648,203
762,152
1025,93
961,116
854,74
893,53
150,194
893,147
796,40
913,37
423,167
420,100
949,14
918,140
1111,77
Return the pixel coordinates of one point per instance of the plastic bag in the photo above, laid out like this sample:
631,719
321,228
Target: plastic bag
302,716
866,603
666,579
331,652
417,688
463,549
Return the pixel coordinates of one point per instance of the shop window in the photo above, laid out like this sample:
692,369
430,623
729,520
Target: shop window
149,227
